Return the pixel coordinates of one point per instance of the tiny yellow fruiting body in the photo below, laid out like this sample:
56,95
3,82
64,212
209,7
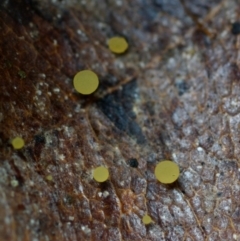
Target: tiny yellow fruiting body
146,219
100,174
117,45
85,82
167,172
49,178
18,143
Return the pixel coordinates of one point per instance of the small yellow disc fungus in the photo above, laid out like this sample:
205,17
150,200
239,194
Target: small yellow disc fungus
167,172
85,82
18,143
146,219
101,174
49,178
117,45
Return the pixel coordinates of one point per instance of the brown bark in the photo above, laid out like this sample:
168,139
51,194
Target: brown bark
173,95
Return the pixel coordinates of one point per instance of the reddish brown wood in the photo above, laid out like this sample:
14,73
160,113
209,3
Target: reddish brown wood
173,95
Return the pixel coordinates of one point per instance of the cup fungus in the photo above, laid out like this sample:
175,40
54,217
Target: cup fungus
100,174
167,172
117,45
146,219
49,178
18,143
85,82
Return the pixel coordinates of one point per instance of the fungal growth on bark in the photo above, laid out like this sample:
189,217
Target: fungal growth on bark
117,45
85,82
18,143
166,172
101,174
106,93
146,219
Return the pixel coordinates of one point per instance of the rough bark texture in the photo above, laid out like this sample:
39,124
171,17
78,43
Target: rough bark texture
173,95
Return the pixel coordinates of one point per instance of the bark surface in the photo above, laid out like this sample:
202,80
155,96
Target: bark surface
173,95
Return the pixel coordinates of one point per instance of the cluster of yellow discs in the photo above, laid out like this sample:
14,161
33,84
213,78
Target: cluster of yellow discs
86,82
166,172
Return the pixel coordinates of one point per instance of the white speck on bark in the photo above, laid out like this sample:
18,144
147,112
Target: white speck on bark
14,183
